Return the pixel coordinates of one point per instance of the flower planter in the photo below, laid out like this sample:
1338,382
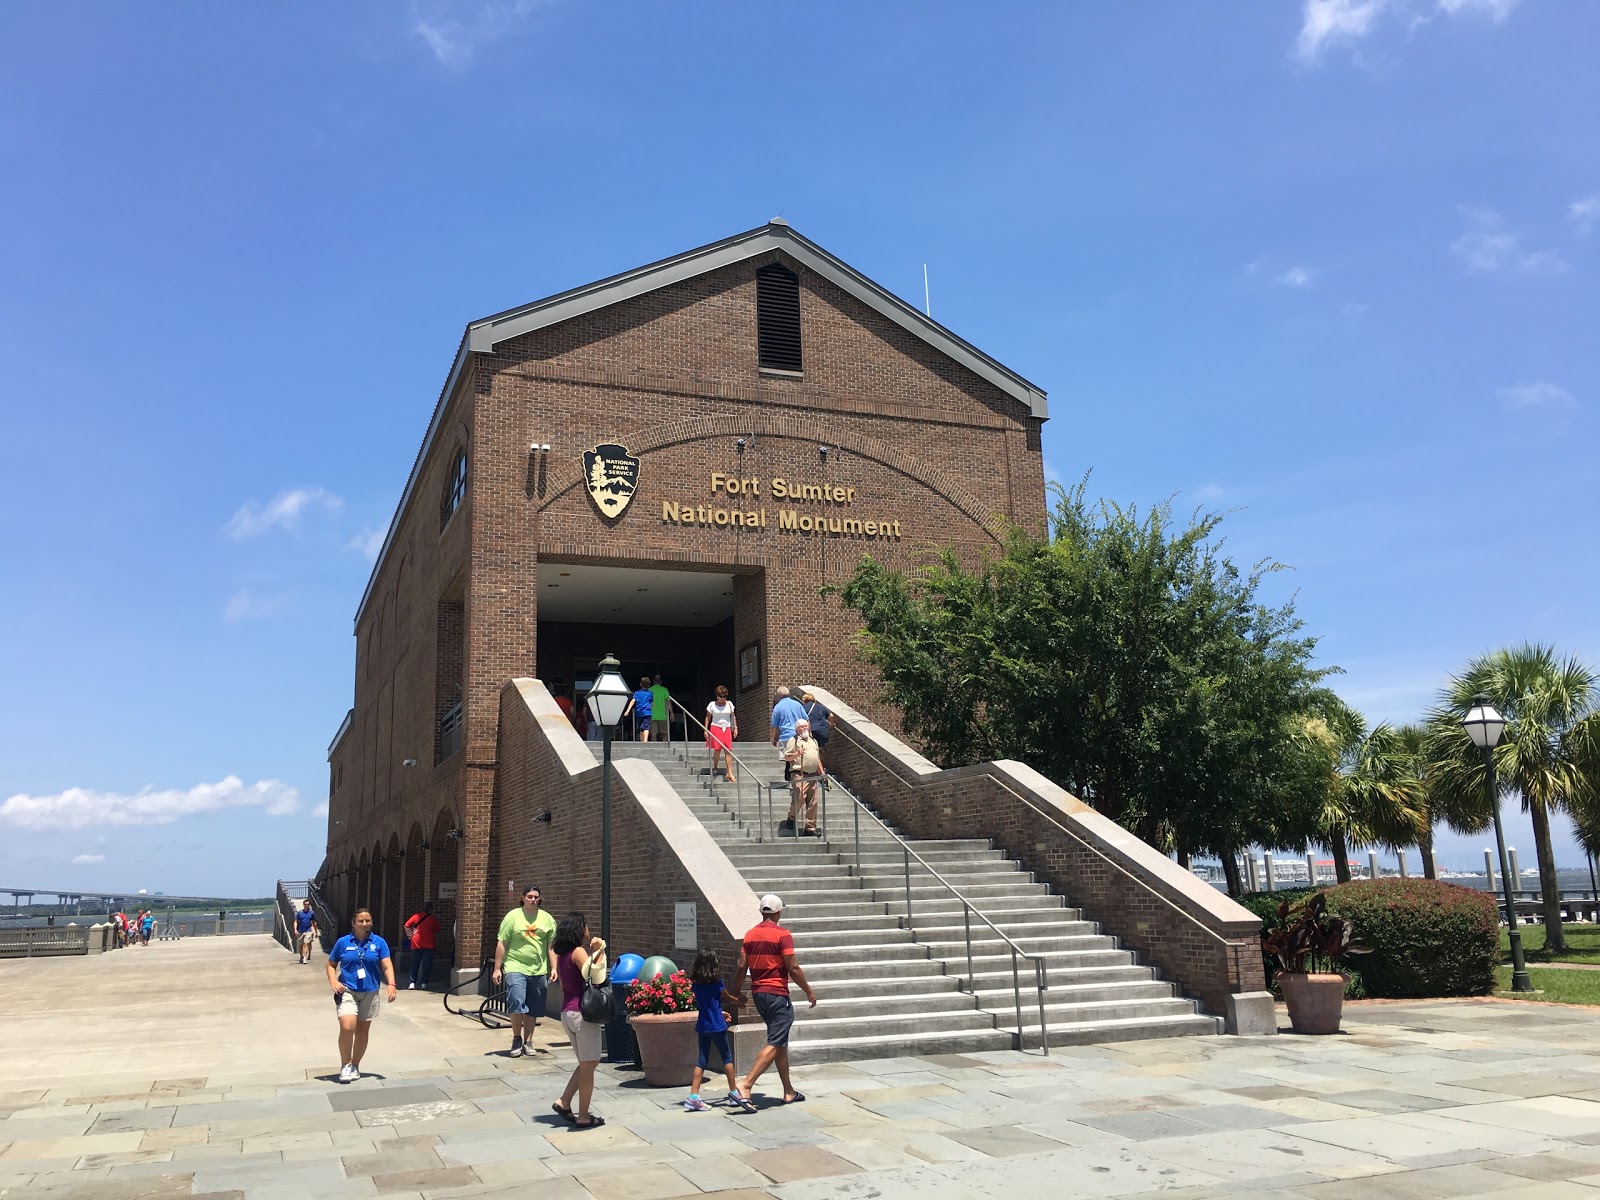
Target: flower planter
1315,1002
668,1047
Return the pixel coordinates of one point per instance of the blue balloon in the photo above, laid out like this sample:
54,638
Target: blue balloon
627,968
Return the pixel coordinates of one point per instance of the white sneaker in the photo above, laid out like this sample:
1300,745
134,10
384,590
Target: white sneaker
348,1073
411,987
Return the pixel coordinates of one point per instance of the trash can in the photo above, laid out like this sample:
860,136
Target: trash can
620,1044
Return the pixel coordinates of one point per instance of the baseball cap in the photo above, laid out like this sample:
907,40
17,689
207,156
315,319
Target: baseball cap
771,903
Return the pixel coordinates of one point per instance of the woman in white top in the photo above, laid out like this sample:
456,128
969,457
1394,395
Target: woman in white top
721,728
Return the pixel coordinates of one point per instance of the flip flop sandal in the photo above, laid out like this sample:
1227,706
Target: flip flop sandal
593,1122
742,1102
796,1098
566,1114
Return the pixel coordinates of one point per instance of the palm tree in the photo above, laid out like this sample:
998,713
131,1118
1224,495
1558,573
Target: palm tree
1372,793
1547,754
1412,741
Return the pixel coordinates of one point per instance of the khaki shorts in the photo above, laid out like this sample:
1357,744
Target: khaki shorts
584,1035
305,938
363,1006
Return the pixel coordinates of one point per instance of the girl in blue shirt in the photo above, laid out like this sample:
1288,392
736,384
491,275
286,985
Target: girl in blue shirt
712,1027
353,967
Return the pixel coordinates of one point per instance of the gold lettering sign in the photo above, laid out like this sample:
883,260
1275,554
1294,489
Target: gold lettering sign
612,475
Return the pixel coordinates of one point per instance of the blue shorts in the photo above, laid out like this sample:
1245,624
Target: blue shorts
720,1041
525,994
643,720
778,1013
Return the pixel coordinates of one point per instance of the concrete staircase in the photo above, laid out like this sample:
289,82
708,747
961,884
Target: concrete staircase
885,989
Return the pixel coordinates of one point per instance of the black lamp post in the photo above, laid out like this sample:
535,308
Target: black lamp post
1484,725
606,700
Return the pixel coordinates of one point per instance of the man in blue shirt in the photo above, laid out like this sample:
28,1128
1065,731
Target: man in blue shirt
784,714
641,706
353,967
305,931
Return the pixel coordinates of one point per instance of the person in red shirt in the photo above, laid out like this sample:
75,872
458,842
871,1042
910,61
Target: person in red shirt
767,954
424,930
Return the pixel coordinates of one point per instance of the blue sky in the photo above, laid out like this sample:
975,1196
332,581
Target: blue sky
1332,266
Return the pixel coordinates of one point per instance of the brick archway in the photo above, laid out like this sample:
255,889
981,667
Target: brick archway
444,863
389,916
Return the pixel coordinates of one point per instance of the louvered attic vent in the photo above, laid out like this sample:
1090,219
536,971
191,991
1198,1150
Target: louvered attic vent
778,318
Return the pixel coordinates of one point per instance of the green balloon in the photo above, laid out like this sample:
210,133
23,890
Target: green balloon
656,964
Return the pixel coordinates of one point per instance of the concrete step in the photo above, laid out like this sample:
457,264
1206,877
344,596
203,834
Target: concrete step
1110,1029
995,998
893,907
839,1047
1042,944
816,1023
824,956
954,873
845,1005
876,935
870,915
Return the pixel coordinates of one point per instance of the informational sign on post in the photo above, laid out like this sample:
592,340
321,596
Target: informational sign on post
447,891
685,919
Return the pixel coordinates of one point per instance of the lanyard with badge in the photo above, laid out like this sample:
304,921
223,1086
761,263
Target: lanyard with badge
361,959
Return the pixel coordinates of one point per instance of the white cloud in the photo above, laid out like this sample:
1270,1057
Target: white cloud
368,543
245,605
1585,213
1209,491
320,810
1495,10
1537,395
1296,277
84,860
1490,248
1331,21
282,511
454,32
83,808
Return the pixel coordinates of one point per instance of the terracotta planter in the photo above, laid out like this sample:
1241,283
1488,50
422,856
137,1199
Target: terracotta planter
1315,1002
668,1047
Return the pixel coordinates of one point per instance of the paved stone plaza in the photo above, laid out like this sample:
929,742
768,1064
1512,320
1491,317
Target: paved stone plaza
204,1068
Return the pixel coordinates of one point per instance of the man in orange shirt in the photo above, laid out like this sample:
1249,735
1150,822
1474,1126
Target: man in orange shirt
768,955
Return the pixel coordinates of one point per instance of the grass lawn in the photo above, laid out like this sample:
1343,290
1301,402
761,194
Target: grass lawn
1559,987
1583,944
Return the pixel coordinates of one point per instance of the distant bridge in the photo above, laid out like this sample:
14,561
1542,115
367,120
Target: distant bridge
75,898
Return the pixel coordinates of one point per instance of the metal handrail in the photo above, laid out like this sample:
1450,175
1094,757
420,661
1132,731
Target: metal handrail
1041,982
744,768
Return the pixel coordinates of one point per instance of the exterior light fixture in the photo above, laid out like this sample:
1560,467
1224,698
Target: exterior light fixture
408,762
1484,725
607,700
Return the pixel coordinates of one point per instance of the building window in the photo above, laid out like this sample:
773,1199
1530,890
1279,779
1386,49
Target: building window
778,318
455,488
450,732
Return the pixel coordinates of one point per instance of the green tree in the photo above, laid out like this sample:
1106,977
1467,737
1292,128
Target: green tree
1413,741
1371,794
1123,656
1547,755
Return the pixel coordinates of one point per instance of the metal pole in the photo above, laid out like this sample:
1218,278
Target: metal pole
966,915
1039,982
907,853
1250,870
605,835
855,819
1311,871
1593,890
1519,968
822,785
1016,994
1515,878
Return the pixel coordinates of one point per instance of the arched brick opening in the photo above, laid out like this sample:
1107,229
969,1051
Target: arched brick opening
363,886
443,873
414,885
390,919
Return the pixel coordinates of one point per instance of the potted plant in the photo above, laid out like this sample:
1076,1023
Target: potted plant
1309,943
662,1014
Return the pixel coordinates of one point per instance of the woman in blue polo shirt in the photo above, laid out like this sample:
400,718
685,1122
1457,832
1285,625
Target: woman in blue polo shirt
353,967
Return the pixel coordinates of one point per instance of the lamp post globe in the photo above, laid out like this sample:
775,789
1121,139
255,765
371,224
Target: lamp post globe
607,698
1485,725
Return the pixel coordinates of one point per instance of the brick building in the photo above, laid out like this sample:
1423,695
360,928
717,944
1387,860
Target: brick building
667,465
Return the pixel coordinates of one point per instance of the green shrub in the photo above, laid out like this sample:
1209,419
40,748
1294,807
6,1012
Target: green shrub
1428,938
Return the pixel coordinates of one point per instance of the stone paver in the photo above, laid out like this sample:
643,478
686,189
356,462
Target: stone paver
1442,1099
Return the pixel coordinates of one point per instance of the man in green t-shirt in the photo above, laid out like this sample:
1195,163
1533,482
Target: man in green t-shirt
660,712
522,960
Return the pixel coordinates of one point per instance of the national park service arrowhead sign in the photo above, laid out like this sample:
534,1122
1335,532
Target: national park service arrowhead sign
611,474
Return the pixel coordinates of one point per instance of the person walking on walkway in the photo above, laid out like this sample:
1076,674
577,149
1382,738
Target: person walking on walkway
580,958
711,1026
640,706
722,727
817,713
767,953
803,754
660,711
147,924
524,962
305,930
784,715
423,930
353,967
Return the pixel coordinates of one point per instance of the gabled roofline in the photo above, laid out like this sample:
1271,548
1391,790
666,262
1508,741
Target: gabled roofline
483,335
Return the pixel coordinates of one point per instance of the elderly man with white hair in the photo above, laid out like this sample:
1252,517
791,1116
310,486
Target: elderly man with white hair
803,753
